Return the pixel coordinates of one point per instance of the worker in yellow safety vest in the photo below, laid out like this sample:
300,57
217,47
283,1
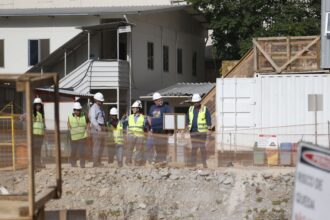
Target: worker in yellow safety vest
199,125
78,127
135,130
39,127
116,138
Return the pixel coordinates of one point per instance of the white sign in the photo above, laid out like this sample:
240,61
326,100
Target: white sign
180,121
315,102
174,121
267,141
125,29
312,192
169,121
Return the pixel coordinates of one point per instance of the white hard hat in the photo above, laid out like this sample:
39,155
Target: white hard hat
77,105
99,97
196,98
37,101
113,111
156,96
137,104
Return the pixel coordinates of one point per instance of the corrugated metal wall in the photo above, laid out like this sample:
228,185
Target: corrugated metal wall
270,104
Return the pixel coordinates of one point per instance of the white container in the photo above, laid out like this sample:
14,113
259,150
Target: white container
273,105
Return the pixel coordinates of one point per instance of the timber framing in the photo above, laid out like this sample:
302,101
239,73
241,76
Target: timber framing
286,54
31,206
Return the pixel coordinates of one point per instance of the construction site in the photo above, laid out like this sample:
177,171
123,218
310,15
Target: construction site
82,135
250,161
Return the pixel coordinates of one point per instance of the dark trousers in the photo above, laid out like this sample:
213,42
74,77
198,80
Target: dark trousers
37,145
99,141
78,152
198,140
115,149
160,143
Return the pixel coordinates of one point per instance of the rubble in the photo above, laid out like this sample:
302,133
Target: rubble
168,193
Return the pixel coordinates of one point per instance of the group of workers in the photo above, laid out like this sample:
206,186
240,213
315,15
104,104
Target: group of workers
125,136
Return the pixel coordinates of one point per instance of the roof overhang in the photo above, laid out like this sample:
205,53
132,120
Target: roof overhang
88,11
63,92
182,91
103,11
149,97
105,26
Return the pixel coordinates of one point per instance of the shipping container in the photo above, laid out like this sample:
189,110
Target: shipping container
274,105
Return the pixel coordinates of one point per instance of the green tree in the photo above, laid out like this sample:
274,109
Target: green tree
236,22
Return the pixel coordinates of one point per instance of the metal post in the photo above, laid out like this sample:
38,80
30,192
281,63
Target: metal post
315,113
130,74
88,45
65,62
175,139
329,133
117,45
13,136
118,103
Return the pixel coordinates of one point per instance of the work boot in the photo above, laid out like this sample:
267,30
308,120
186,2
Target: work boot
128,162
98,164
120,163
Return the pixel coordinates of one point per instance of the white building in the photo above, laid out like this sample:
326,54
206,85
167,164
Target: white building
160,43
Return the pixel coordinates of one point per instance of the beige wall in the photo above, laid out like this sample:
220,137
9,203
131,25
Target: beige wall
173,29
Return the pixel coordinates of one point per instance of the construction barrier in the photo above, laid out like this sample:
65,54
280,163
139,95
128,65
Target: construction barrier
7,138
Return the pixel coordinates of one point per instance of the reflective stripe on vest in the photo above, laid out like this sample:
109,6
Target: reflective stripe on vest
38,124
78,129
117,133
136,128
201,119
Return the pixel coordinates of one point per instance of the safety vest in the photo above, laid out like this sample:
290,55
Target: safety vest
78,128
201,119
38,124
136,128
117,133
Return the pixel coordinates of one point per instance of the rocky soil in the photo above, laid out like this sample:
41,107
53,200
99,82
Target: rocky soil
168,193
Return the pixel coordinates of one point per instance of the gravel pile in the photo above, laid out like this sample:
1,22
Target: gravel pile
168,193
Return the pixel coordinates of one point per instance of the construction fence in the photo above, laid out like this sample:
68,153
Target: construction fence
276,146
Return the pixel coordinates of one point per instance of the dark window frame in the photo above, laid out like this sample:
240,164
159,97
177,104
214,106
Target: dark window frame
194,63
166,58
41,49
150,55
179,56
2,53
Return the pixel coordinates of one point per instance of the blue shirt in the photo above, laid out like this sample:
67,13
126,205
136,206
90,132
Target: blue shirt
96,116
156,113
194,127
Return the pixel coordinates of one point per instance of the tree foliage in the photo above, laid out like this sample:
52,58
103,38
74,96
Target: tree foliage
236,22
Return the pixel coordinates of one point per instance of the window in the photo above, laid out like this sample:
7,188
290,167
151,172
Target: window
2,53
38,50
194,64
179,60
165,58
150,55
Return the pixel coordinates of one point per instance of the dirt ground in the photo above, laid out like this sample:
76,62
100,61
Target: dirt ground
167,193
